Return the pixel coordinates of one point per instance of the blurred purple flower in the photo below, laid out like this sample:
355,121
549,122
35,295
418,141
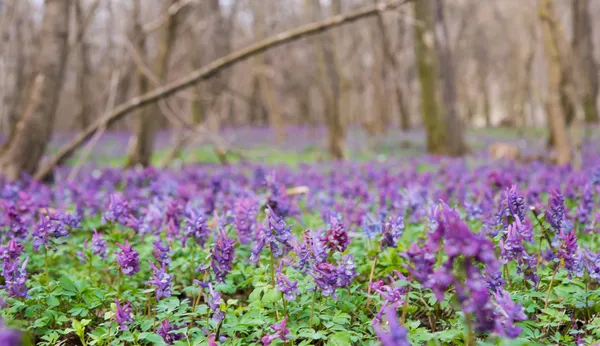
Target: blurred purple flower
555,214
15,277
128,259
161,251
165,332
507,313
223,254
392,231
9,337
288,288
118,210
281,333
245,212
161,280
123,315
196,227
336,239
98,245
396,334
214,301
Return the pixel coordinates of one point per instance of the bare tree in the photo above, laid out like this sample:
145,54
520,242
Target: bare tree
428,72
583,47
454,141
141,145
30,135
556,115
332,83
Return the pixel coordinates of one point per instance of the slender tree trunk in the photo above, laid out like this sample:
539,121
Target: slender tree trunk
426,61
84,70
556,116
148,122
32,132
583,47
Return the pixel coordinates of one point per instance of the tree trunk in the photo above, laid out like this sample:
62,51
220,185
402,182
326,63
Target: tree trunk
454,139
583,47
554,109
147,123
32,132
84,70
426,61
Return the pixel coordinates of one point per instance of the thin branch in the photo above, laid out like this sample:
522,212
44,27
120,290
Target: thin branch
209,71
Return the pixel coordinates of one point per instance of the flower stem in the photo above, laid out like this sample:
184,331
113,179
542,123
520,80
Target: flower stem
46,265
372,273
312,310
507,276
470,338
405,307
550,287
273,278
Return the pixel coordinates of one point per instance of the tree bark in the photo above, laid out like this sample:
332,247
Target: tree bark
207,72
428,72
142,142
84,70
583,47
454,139
32,132
554,109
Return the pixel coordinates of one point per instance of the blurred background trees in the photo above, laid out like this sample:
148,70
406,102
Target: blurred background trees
441,65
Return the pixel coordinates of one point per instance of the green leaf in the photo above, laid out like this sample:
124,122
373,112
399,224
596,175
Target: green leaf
52,301
155,339
339,339
68,285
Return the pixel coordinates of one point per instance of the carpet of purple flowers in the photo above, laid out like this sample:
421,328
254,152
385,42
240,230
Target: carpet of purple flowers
433,251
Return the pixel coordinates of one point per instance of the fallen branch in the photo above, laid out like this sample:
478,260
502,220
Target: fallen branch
210,70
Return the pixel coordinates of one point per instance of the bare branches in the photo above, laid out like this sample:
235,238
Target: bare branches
210,70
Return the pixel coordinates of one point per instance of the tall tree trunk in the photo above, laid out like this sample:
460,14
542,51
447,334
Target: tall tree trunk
147,124
554,109
426,61
331,84
454,139
583,47
84,70
33,130
263,76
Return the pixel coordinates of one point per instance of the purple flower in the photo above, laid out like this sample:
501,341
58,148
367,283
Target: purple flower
276,234
568,252
393,296
214,301
329,277
422,260
287,287
515,203
281,333
556,210
587,204
223,254
9,337
123,315
118,210
396,334
128,259
98,245
15,277
245,212
592,264
507,313
392,231
165,331
195,227
161,251
49,227
161,281
336,239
